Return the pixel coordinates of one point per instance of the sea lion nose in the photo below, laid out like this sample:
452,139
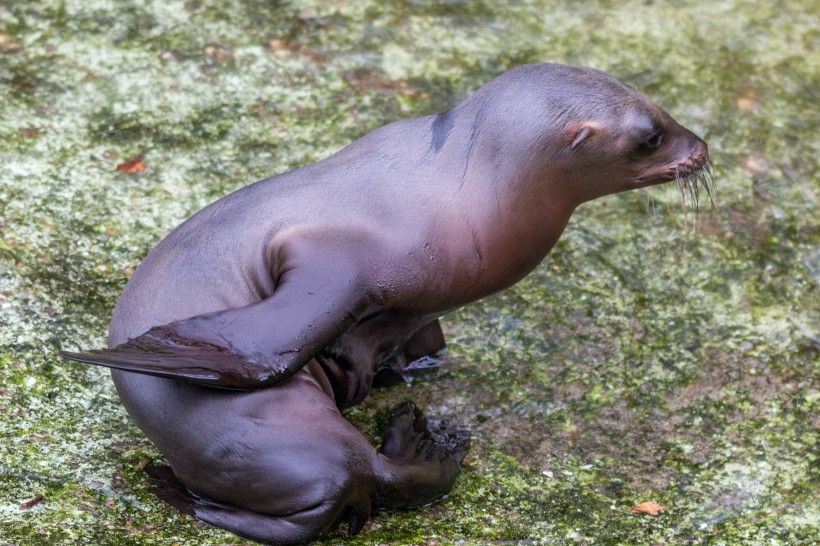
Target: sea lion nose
702,150
699,151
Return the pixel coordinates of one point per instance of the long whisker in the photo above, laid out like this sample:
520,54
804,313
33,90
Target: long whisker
707,174
689,185
680,181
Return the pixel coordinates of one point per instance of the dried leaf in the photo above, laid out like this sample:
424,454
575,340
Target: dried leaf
33,502
132,165
30,132
649,507
218,53
754,163
749,100
7,43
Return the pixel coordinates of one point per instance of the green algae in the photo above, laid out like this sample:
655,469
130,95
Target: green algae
644,360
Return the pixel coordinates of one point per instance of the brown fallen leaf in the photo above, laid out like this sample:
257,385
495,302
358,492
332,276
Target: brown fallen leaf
218,53
30,132
132,165
33,502
648,507
7,43
748,100
754,163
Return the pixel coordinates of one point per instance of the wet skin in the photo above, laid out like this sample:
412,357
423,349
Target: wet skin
256,320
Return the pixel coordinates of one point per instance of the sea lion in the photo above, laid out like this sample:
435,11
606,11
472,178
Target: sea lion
253,322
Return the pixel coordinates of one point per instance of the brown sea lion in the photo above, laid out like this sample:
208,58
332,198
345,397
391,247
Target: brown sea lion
254,321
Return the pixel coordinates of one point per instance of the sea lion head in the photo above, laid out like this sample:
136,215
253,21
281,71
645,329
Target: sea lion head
588,134
622,141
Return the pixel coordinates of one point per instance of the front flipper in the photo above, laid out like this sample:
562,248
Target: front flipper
319,295
163,353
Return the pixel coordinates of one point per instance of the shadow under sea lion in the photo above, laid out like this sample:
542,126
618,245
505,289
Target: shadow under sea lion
242,334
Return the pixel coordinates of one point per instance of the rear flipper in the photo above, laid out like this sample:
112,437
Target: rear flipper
345,478
419,356
423,459
295,528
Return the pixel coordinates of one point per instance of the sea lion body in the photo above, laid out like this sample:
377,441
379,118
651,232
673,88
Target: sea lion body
311,281
234,252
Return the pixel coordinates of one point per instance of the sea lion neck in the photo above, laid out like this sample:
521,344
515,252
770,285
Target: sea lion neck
496,172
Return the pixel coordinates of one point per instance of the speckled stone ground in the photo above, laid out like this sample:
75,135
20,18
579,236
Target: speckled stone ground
644,360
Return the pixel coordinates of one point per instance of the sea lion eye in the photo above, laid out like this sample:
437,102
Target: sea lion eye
654,141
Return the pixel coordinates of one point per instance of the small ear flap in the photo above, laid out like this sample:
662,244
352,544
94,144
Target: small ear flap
578,132
582,132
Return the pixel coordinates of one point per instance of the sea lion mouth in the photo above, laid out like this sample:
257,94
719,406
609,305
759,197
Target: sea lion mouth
691,174
675,171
